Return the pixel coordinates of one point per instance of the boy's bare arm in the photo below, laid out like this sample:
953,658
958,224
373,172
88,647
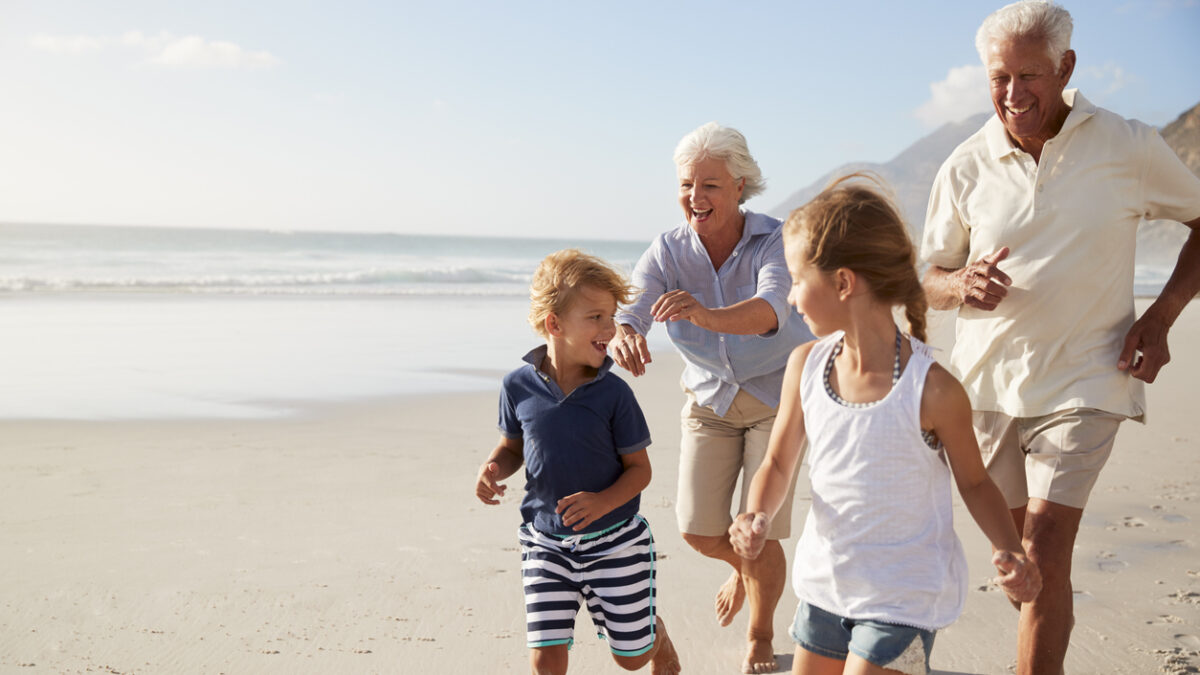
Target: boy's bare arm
504,461
584,508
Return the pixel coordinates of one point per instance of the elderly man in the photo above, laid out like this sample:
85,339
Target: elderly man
1030,234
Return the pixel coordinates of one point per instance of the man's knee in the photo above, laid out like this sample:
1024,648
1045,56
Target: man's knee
1049,539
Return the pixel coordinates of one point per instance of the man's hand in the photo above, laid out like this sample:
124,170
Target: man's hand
1019,577
981,284
629,350
1145,350
748,534
486,487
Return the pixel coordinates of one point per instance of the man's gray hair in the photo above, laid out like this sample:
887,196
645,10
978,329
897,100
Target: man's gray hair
728,145
1028,18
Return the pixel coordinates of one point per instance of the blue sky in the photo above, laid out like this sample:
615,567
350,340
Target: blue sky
546,118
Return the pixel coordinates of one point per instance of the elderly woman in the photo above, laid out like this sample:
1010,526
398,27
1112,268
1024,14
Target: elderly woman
1030,234
719,282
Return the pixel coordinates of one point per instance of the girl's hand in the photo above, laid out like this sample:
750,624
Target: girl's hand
486,487
748,534
581,509
1019,577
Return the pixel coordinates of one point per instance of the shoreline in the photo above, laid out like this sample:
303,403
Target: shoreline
348,540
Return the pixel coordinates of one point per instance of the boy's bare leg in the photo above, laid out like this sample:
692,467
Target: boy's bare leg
550,660
663,658
761,581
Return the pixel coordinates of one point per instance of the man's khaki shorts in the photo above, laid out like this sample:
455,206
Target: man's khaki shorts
1055,457
714,452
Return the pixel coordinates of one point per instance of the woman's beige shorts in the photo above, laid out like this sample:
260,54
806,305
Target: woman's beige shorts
714,452
1055,457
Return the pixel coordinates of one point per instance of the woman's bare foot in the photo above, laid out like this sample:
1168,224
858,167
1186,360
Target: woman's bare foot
730,598
760,657
666,660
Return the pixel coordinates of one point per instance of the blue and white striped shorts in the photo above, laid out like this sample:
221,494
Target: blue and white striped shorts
613,571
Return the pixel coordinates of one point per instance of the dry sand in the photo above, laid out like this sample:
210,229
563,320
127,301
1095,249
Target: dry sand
348,540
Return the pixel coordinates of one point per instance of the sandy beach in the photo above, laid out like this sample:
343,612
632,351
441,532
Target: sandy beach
347,539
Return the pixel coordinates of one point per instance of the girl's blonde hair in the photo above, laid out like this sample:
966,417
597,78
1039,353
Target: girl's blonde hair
560,274
855,225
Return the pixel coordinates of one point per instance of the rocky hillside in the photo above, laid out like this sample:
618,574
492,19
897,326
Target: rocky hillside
911,175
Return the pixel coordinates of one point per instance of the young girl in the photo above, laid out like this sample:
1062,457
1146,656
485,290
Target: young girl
878,568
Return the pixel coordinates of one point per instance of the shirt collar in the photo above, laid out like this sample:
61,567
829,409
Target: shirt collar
536,355
999,144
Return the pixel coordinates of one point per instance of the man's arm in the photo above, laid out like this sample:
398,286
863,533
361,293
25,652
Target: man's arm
1148,334
981,284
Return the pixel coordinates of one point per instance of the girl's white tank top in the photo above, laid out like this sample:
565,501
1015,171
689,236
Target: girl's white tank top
879,539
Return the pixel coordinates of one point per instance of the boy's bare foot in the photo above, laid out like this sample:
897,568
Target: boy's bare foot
730,598
666,659
760,657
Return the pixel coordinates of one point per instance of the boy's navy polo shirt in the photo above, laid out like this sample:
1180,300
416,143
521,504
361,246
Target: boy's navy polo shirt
571,443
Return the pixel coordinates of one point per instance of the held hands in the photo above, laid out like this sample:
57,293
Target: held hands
981,284
581,509
1019,577
748,534
486,487
629,350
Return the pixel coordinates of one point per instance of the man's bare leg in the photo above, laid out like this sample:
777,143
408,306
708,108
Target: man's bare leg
761,581
1045,627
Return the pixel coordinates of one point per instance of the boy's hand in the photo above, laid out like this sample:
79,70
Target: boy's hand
748,534
581,509
1019,577
486,488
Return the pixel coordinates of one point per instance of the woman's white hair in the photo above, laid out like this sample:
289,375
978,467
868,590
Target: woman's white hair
1028,18
728,145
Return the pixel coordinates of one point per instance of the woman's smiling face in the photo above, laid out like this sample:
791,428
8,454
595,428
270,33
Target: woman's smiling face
709,195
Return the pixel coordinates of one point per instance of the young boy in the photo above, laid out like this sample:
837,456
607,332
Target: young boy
582,438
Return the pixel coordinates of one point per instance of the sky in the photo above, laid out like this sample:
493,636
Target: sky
516,118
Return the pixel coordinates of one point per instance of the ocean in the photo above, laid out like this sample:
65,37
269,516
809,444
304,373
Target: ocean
142,322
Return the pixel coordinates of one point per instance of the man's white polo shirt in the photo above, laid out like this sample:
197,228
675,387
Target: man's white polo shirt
1070,222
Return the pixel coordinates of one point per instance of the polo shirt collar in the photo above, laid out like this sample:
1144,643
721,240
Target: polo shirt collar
999,144
536,355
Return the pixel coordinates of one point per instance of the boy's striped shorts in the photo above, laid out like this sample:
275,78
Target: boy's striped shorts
612,571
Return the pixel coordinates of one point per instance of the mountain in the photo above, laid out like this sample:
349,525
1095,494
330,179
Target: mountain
910,174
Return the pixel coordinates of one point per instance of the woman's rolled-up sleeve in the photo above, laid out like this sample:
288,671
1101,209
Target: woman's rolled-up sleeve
774,281
650,279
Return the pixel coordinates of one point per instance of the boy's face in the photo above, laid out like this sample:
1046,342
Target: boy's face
586,326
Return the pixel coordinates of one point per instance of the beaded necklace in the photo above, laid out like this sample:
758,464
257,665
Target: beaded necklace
837,349
929,437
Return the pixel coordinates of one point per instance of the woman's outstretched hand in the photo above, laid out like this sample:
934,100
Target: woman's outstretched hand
629,350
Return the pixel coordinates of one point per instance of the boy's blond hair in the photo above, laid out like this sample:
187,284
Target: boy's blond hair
560,274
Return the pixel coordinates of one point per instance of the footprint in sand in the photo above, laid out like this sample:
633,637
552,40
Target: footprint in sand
1130,521
1190,641
1108,562
1182,597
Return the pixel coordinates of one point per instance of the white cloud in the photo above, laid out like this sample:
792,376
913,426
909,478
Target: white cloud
963,93
1109,78
164,50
